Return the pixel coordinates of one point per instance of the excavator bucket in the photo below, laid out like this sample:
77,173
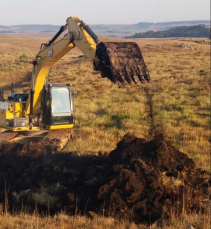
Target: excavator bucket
121,62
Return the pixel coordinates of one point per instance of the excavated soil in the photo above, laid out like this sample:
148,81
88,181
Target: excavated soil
140,180
121,62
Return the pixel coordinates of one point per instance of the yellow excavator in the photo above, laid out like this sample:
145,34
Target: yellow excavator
48,106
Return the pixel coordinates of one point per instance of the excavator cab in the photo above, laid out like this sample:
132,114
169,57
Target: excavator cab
56,106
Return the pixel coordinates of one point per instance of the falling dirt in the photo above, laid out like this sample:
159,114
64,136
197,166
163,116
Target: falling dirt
121,62
141,180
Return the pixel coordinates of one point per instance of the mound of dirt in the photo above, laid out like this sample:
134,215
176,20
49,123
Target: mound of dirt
141,180
152,180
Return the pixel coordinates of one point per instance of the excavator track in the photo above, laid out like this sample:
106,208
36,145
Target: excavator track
121,62
52,141
6,136
57,138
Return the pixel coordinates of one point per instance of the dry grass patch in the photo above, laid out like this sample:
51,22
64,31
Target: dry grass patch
63,221
179,95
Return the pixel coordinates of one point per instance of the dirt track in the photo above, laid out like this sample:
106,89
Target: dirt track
140,180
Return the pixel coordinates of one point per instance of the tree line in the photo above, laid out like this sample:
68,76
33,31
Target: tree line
180,31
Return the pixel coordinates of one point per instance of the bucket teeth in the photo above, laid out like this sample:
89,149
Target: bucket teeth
121,62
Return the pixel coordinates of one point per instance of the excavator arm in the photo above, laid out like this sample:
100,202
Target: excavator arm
52,51
49,106
118,61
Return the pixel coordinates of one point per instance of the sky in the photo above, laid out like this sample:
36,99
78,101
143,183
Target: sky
55,12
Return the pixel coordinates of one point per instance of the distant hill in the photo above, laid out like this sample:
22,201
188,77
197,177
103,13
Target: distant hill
35,27
23,28
168,25
112,30
3,27
180,31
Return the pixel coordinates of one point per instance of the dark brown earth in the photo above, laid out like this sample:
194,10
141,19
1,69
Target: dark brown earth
140,180
121,62
52,141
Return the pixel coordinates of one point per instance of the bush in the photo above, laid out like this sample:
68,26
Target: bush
23,58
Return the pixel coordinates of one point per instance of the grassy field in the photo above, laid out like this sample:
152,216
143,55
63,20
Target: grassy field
62,221
176,103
